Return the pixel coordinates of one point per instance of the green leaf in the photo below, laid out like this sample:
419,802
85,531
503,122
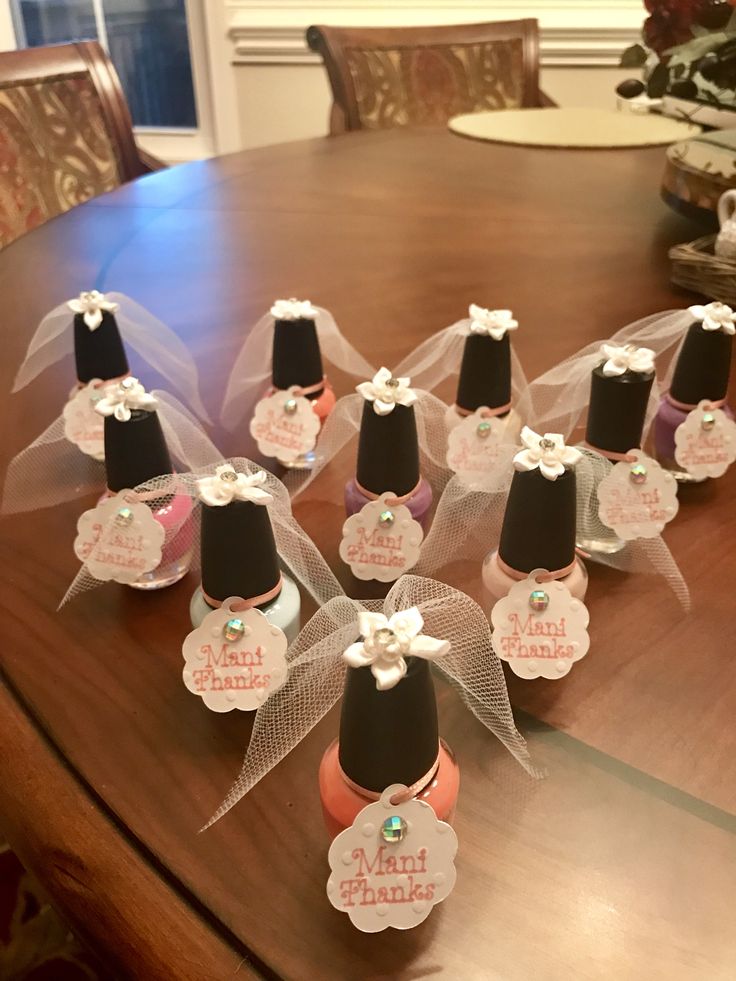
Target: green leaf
657,82
633,57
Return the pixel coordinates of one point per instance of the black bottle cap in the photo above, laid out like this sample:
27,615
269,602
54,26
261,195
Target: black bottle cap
99,353
296,355
135,451
617,409
703,366
238,551
538,530
388,736
485,373
388,451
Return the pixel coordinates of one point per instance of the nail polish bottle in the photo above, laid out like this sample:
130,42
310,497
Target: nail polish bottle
387,737
239,558
135,452
98,347
701,372
619,395
388,449
297,360
538,531
485,371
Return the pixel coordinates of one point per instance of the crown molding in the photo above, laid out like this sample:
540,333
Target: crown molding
578,33
582,47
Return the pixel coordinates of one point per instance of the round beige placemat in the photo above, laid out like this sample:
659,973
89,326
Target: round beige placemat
570,127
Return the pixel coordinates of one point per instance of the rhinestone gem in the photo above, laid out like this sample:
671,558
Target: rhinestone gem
393,383
124,518
393,829
229,475
233,630
386,518
638,474
290,407
539,600
483,429
384,636
546,444
708,421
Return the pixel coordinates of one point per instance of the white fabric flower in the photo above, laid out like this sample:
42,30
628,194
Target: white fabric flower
385,391
293,310
119,399
92,305
547,452
495,323
627,358
228,485
715,316
387,641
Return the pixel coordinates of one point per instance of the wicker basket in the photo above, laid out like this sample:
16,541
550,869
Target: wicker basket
695,267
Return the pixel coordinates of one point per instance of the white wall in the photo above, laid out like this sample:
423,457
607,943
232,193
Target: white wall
280,87
277,103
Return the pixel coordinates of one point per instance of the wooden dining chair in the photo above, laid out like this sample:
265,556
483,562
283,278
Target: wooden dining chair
412,76
65,133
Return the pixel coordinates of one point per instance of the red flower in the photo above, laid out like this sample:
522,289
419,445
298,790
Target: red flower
670,22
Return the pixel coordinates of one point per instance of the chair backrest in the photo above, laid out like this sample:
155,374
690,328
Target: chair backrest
413,76
65,133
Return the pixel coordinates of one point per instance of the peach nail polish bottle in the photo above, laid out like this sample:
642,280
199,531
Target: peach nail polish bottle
297,360
387,737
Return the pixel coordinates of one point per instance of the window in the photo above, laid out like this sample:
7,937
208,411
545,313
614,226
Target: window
147,40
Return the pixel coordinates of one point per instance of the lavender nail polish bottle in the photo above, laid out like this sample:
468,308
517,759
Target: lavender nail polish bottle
701,372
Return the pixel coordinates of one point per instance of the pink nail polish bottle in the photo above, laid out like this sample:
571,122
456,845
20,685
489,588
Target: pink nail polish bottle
388,460
485,380
538,532
616,413
297,360
387,737
135,452
98,352
702,372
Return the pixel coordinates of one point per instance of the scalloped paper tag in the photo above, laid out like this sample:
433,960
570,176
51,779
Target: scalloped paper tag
539,628
119,539
84,427
705,443
392,865
285,425
235,660
382,541
637,499
474,446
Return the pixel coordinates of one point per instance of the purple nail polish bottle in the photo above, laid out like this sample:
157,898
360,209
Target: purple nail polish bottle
388,460
702,372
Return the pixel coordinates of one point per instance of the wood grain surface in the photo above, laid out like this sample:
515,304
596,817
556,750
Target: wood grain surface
620,864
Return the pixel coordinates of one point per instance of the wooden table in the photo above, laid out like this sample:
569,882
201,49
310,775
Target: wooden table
618,866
